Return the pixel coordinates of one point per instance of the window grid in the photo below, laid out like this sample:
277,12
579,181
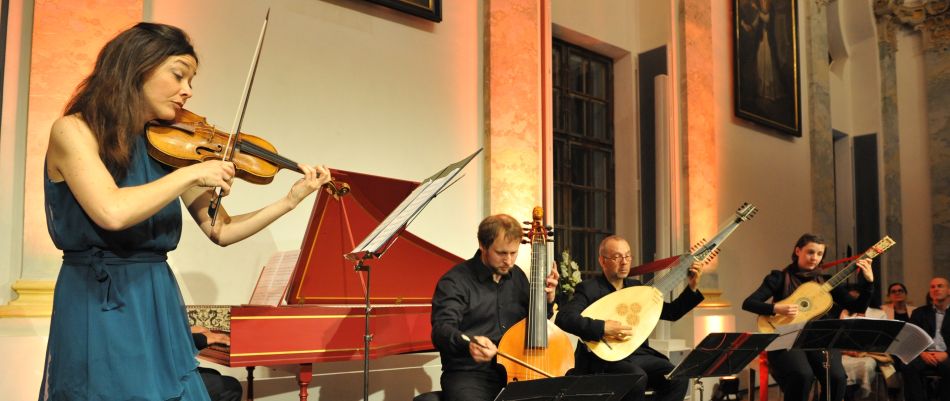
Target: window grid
583,153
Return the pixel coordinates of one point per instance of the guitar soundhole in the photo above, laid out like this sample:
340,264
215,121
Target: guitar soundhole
804,304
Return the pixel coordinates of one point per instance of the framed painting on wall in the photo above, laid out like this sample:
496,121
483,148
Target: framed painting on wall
428,9
765,69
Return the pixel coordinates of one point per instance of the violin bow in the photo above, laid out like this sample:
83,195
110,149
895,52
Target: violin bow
239,117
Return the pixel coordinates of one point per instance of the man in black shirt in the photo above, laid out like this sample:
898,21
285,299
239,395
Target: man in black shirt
933,361
481,297
615,258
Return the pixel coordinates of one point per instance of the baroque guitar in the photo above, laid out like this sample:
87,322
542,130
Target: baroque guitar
814,299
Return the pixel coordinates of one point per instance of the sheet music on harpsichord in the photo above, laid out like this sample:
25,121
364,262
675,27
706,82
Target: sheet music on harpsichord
275,278
376,243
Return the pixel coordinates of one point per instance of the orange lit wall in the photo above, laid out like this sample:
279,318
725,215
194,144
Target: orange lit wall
702,161
67,36
518,105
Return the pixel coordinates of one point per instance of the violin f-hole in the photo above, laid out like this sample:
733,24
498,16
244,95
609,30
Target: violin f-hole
204,150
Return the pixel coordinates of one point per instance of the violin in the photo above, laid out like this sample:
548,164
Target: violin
191,139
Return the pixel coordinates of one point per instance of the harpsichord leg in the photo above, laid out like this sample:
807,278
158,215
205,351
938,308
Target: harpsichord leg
303,378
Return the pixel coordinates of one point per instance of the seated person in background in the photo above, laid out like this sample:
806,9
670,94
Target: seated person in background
615,261
862,367
897,307
220,388
934,360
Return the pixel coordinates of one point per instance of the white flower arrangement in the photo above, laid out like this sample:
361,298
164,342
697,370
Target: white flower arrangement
570,274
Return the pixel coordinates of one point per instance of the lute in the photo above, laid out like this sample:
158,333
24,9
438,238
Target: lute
639,307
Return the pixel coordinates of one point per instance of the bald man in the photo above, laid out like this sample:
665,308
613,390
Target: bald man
934,360
615,260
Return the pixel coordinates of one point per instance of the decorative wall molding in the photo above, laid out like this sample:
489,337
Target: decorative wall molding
930,17
35,299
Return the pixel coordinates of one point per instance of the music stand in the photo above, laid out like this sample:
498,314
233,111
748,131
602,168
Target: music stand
856,334
572,388
721,354
384,235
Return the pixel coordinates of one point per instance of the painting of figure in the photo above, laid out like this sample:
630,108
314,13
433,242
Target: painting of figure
766,64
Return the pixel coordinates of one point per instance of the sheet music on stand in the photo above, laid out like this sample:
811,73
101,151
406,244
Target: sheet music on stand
722,354
895,337
376,243
383,236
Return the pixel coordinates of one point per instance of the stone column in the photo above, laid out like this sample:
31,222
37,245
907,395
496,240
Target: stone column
702,166
66,37
932,19
890,136
936,34
815,51
517,91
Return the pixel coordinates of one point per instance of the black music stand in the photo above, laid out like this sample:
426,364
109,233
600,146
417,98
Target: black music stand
721,354
868,335
572,388
378,241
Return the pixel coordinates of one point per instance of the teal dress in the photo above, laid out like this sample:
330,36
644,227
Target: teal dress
118,330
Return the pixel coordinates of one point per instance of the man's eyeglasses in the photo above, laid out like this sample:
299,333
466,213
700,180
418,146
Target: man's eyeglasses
897,291
617,258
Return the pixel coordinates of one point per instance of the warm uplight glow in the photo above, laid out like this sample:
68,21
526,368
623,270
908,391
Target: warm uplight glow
702,161
67,36
712,324
516,97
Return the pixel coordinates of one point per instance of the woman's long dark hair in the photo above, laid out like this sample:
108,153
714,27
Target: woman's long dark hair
110,100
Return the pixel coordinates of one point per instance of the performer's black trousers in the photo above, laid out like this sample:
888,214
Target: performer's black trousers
473,385
220,388
914,375
796,370
642,363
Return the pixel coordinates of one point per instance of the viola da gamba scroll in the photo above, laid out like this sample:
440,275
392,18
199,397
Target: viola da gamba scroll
639,307
814,299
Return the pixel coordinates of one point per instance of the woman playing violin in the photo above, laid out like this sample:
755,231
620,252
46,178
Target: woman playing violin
114,213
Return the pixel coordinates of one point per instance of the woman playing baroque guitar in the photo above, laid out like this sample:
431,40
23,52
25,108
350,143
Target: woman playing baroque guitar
795,370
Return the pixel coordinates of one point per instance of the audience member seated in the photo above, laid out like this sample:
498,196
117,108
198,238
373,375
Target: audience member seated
897,307
933,361
862,368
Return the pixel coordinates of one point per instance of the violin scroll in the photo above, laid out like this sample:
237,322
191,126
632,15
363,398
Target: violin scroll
337,188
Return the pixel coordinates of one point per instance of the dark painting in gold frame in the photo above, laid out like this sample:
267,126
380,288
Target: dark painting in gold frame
765,68
428,9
